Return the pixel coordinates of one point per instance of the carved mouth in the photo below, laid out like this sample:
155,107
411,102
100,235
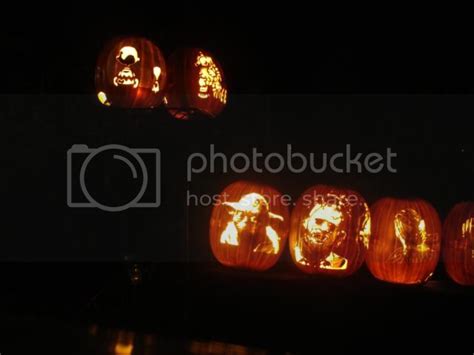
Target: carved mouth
317,237
126,73
126,77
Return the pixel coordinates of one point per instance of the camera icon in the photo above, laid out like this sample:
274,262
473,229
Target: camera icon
113,177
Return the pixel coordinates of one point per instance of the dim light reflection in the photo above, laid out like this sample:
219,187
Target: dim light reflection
123,349
124,343
251,217
121,342
214,347
321,232
210,79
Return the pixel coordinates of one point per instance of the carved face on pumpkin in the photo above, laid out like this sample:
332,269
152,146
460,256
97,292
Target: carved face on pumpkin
197,86
321,233
410,230
322,225
210,79
405,241
249,228
127,56
131,73
330,228
249,216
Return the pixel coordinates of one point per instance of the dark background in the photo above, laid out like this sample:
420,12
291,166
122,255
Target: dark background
307,80
298,52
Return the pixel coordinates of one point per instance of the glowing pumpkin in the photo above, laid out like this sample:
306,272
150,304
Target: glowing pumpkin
330,230
458,243
196,84
249,226
405,241
131,72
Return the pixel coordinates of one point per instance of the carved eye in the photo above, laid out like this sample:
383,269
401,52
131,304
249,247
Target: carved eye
332,223
252,241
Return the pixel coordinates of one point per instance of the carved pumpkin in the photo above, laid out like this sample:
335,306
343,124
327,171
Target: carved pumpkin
405,242
330,230
249,226
196,84
458,243
131,72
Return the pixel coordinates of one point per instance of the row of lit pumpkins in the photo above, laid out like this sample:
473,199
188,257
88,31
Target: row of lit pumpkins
131,72
332,231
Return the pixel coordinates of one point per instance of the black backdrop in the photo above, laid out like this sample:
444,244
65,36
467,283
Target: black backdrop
434,162
282,72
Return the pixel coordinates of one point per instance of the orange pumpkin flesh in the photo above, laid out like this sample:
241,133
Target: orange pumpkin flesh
458,243
405,241
330,231
249,228
131,73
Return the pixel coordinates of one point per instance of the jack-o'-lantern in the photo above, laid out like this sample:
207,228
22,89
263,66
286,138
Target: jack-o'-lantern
196,84
249,226
458,243
330,231
131,72
405,242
